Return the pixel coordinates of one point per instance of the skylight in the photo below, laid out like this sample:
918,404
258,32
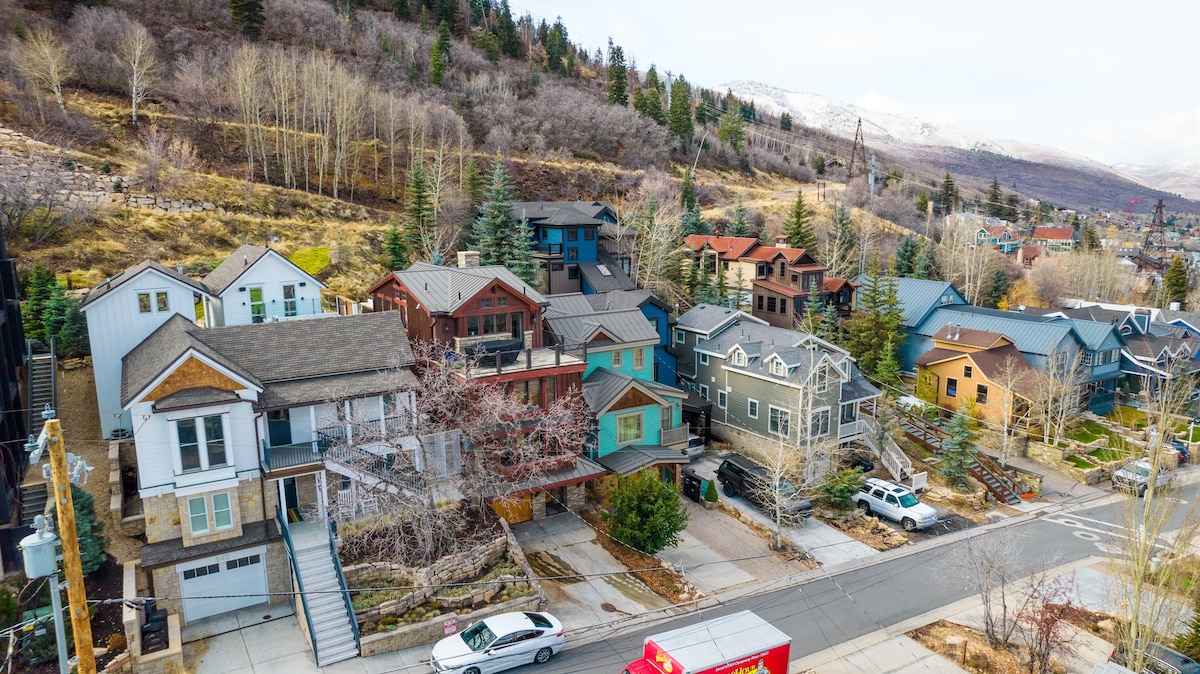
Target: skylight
603,270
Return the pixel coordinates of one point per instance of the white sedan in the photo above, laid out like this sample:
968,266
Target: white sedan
498,643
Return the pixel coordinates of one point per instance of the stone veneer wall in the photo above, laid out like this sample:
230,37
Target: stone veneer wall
429,631
163,513
166,661
165,580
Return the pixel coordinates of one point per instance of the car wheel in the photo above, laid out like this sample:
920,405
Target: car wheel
729,489
865,507
1141,492
908,524
473,670
543,655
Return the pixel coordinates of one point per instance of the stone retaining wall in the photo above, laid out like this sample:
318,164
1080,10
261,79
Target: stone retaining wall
429,631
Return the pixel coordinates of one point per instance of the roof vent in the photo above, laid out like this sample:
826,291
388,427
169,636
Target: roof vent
179,267
245,261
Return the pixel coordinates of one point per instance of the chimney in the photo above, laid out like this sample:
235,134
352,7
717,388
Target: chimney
179,267
468,258
781,241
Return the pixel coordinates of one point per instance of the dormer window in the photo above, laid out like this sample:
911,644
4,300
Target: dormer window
778,368
739,357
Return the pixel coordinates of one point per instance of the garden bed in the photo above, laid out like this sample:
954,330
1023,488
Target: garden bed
1079,462
664,582
1128,416
867,530
1108,454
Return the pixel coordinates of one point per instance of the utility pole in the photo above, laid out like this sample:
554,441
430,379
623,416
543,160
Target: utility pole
81,623
858,152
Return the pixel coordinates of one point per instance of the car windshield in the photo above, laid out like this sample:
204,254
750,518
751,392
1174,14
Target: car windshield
478,636
908,500
785,487
1140,468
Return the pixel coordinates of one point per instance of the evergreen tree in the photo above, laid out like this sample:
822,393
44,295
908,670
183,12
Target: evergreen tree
810,320
1089,239
393,249
731,128
1012,208
687,193
419,215
38,290
907,252
692,223
645,513
402,9
818,164
994,201
831,328
797,227
887,371
87,529
556,48
1175,283
73,335
506,31
947,198
1188,641
248,17
922,202
958,451
648,99
877,327
679,117
500,237
617,76
440,60
927,266
785,122
472,184
997,289
740,225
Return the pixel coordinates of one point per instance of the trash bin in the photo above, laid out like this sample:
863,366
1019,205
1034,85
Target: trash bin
691,484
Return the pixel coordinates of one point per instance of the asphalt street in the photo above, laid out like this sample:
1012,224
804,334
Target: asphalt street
825,609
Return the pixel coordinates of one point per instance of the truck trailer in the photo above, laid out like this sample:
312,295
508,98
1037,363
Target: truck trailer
739,643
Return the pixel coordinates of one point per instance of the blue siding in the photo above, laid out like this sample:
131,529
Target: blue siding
597,359
558,235
667,371
663,358
606,440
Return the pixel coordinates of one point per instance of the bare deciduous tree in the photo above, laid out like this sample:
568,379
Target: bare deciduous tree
41,58
32,205
1045,605
992,563
135,53
164,159
1058,391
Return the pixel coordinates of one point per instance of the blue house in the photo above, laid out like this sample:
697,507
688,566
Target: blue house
918,299
569,255
657,312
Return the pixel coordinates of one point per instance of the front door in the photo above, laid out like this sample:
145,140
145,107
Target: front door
291,498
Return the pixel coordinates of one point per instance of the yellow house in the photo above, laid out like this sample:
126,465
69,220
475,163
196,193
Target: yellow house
977,365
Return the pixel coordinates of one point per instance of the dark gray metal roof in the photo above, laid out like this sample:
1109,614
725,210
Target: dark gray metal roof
563,213
172,551
603,387
624,327
568,304
615,279
308,359
625,299
629,460
445,289
583,470
196,397
146,266
280,395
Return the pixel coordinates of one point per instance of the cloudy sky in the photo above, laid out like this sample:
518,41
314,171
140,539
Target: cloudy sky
1117,82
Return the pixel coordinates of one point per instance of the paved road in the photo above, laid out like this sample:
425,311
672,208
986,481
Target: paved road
832,609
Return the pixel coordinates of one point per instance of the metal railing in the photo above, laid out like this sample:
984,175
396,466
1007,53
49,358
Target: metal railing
674,436
291,551
331,528
278,457
550,248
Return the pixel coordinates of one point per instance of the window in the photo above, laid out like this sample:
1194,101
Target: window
485,303
752,408
639,358
589,234
739,357
967,371
222,513
782,269
981,391
760,302
722,399
616,359
243,561
573,253
629,428
762,270
258,306
490,324
502,301
573,272
572,234
198,515
795,278
783,305
144,303
289,300
1087,358
202,571
550,390
780,422
680,338
771,305
704,359
778,368
849,413
947,299
820,424
201,443
951,387
822,380
654,322
189,445
515,325
214,440
160,300
1113,355
704,391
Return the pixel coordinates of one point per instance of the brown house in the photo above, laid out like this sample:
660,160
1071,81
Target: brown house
979,366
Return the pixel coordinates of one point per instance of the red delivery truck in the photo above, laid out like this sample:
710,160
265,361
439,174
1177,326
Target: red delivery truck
740,643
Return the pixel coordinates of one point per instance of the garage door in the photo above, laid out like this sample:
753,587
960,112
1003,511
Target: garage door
514,510
225,583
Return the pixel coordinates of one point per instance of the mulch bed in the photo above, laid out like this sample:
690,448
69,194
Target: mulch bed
103,583
664,582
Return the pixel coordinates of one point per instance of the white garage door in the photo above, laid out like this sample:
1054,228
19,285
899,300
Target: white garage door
225,583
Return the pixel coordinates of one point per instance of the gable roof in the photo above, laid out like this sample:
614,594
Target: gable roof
707,318
763,342
1055,233
726,247
623,327
563,213
294,362
143,267
568,304
625,299
445,289
995,230
239,262
980,338
918,296
603,387
794,256
1031,334
992,363
832,284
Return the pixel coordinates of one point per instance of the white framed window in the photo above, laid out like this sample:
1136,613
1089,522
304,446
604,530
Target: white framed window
704,359
198,515
704,391
819,425
289,300
1087,358
722,399
201,443
752,408
162,301
258,305
629,428
222,510
679,337
616,359
822,379
778,368
739,357
144,306
780,422
639,358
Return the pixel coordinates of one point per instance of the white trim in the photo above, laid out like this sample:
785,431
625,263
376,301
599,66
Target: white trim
704,391
170,369
229,508
148,270
725,395
191,525
703,357
641,415
770,410
831,423
756,407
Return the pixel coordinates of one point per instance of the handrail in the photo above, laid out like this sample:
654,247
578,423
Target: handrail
337,564
291,549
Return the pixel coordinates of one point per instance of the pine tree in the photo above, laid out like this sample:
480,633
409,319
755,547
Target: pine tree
1188,641
877,327
906,255
440,60
617,76
958,451
994,201
73,335
1089,239
922,202
472,184
679,117
692,223
248,17
731,128
1175,283
506,31
785,122
1012,208
501,238
997,289
87,529
393,249
402,10
927,266
38,290
887,370
810,320
831,328
648,99
797,226
419,215
740,225
947,198
556,48
687,193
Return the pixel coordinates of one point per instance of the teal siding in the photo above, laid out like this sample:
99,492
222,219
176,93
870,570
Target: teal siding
606,441
598,359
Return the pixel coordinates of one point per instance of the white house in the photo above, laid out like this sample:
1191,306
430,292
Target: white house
121,313
257,284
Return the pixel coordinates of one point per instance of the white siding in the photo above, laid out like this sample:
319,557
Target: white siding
271,272
116,326
157,447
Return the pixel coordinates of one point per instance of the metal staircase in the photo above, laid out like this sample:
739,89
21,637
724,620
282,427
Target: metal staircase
33,501
323,597
42,384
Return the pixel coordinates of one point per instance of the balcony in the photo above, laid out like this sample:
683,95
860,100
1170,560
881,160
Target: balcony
674,436
548,248
848,429
281,457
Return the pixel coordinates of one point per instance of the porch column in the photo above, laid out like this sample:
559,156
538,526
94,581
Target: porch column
322,496
282,499
312,426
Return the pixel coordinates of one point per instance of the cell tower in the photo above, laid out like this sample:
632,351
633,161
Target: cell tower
1156,235
858,152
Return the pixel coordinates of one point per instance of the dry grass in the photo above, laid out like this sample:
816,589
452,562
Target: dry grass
980,657
866,529
664,582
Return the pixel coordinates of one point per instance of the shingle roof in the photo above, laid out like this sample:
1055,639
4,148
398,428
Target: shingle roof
1055,233
232,267
918,296
993,363
858,388
709,317
761,341
195,397
445,289
307,360
561,213
624,327
145,266
603,387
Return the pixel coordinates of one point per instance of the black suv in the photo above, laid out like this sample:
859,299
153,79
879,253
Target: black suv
739,475
1159,660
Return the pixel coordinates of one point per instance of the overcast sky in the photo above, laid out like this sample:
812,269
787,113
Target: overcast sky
1113,81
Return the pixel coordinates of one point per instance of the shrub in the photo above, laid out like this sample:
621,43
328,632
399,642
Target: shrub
88,528
710,491
838,487
646,513
116,642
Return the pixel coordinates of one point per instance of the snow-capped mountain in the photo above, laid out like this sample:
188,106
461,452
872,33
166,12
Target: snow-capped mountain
1183,179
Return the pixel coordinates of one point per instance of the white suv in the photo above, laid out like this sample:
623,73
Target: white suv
895,503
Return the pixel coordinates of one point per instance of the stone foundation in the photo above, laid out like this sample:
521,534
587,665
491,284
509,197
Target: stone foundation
166,661
429,631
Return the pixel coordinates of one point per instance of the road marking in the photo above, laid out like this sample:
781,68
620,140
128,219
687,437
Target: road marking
1086,535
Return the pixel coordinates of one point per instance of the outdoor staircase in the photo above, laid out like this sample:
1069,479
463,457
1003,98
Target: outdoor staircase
33,502
333,634
42,386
